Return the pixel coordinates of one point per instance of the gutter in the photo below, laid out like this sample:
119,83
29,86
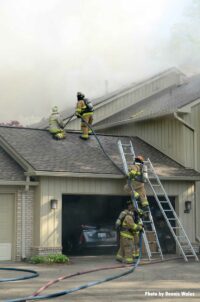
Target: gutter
74,175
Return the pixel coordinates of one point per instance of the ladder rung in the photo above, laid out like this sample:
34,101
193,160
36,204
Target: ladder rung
171,218
146,221
155,252
149,232
126,145
191,255
125,153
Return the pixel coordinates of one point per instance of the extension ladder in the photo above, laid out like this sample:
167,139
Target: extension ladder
171,218
128,157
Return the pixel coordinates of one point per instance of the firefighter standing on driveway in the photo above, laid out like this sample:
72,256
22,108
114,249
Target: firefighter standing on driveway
56,125
84,110
138,176
127,228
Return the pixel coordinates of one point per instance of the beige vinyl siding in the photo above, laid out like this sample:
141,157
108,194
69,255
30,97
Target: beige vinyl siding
197,210
51,187
167,135
194,120
132,96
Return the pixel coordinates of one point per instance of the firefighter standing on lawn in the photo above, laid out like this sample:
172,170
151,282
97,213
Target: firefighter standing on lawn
138,175
84,110
127,228
56,125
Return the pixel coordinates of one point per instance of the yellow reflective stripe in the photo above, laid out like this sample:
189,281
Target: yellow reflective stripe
129,259
126,235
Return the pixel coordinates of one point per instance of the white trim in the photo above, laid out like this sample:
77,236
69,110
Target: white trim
187,108
18,183
71,174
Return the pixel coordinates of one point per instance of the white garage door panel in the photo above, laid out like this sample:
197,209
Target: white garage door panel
5,251
6,225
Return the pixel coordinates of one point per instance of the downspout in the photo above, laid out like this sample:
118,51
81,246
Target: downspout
26,189
195,163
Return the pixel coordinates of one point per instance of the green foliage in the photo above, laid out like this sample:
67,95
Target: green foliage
51,258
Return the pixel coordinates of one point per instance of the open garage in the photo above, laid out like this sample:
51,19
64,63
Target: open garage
96,214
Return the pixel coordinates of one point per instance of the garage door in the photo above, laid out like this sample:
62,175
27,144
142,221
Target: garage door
6,225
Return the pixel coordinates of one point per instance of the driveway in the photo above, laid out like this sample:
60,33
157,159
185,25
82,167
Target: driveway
172,280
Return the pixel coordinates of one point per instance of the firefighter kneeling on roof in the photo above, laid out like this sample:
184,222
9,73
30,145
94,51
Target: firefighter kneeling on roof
138,176
56,125
127,227
84,110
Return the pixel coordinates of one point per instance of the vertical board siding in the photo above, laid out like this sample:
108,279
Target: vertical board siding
51,187
195,121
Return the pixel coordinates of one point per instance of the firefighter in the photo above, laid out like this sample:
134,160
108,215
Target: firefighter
84,110
138,175
127,228
56,125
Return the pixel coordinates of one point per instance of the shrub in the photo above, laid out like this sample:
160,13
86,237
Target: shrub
51,258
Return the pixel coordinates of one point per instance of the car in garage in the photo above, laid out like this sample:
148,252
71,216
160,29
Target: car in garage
97,237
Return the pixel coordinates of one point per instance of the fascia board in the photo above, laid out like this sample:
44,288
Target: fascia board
18,183
105,176
72,174
187,108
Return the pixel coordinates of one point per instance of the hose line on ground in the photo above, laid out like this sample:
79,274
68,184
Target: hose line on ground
84,286
34,274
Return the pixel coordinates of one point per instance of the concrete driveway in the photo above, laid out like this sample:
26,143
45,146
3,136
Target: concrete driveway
169,281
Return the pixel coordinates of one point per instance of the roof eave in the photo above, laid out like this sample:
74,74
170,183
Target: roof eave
73,174
18,183
180,178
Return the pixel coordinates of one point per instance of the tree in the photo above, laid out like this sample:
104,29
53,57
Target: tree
12,124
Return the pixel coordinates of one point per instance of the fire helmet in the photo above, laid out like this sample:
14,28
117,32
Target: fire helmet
139,158
80,96
55,109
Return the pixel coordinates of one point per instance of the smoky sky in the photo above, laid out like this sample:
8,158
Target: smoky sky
50,49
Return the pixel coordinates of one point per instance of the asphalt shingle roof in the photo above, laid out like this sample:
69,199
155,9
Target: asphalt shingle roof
9,169
164,103
43,153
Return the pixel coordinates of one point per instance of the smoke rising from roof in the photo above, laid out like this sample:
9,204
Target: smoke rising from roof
51,49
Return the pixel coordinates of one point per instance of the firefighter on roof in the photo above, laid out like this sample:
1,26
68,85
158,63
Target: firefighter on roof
56,125
127,227
84,110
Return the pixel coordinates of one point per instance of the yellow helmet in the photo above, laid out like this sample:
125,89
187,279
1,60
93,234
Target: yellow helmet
55,109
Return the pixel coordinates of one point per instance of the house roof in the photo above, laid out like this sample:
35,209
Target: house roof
164,103
37,151
10,169
108,97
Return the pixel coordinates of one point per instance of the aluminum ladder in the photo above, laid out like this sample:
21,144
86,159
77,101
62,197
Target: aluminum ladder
177,230
128,157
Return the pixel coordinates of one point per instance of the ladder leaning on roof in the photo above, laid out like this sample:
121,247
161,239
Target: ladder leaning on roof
128,157
177,230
